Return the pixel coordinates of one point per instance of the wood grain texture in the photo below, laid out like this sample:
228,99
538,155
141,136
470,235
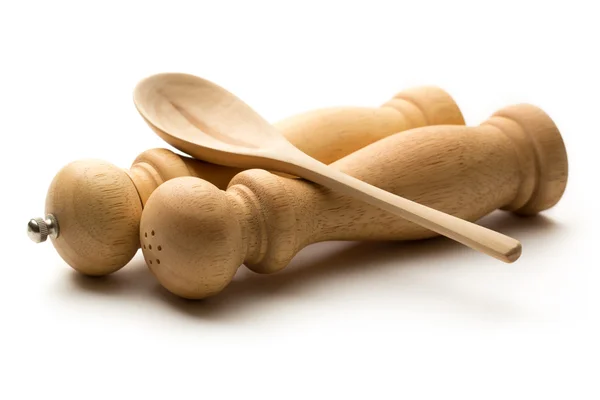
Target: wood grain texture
98,209
99,205
200,235
343,130
210,123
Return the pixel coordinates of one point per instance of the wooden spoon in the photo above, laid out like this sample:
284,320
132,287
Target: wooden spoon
204,120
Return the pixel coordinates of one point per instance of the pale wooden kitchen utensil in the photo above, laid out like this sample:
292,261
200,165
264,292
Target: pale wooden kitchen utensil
204,120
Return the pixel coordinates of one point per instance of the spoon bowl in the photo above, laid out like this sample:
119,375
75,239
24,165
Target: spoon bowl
203,119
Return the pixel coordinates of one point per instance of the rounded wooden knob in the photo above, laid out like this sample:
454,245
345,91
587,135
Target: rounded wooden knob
214,227
195,236
98,209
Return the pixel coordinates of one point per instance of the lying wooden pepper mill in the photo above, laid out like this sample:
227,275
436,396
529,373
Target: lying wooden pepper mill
93,207
195,236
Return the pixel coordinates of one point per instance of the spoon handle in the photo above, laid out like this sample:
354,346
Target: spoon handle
472,235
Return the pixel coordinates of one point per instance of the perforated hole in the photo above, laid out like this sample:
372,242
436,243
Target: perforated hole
144,247
150,246
145,234
152,233
150,261
157,261
159,248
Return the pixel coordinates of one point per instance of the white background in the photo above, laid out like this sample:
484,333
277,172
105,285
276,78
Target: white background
430,320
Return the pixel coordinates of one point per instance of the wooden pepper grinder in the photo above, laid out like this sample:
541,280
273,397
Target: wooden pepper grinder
195,236
93,207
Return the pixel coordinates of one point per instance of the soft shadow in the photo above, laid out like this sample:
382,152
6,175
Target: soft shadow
133,281
326,263
524,228
409,264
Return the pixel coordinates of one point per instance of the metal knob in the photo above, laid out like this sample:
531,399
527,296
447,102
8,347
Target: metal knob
38,229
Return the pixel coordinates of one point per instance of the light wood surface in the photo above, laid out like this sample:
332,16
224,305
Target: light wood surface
99,205
195,236
206,121
343,130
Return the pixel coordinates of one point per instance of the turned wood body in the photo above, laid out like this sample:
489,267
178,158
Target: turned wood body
98,205
204,120
343,130
200,235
